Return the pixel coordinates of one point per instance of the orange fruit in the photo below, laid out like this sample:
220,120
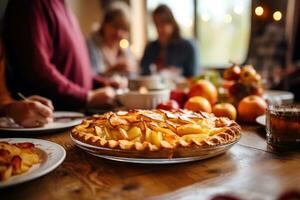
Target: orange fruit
204,89
197,104
251,107
224,110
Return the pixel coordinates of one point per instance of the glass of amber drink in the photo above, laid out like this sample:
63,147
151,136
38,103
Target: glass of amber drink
283,126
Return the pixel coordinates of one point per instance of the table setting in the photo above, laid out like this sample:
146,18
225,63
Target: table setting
148,130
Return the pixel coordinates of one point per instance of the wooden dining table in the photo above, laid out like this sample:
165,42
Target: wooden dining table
249,170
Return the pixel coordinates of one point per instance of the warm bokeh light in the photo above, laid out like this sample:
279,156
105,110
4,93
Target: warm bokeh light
205,17
227,18
124,43
259,10
277,16
143,90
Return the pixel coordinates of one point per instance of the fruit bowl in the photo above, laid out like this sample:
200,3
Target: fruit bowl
244,81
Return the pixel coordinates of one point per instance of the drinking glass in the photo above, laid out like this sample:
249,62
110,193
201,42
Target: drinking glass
283,125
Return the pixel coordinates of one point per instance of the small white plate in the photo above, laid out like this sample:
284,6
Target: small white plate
261,120
53,156
53,126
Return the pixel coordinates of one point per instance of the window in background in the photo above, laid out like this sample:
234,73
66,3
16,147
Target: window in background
223,27
223,31
183,12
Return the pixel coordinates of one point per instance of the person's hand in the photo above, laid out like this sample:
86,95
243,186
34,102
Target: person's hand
42,100
117,81
101,97
36,111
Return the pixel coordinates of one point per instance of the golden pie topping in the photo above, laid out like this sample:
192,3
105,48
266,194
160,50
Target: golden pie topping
17,158
153,130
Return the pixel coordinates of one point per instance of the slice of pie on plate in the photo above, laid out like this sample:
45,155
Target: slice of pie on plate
156,133
17,158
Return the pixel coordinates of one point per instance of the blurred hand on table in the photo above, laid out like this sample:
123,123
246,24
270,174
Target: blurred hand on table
118,82
101,97
35,111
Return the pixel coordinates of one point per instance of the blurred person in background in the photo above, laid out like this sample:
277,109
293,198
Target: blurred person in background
36,111
47,55
109,47
170,51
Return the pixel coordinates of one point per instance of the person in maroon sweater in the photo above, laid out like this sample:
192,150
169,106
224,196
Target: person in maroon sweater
47,55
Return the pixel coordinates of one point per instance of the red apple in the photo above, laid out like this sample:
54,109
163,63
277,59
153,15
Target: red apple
232,73
256,89
251,107
179,96
169,105
227,84
204,89
239,90
248,74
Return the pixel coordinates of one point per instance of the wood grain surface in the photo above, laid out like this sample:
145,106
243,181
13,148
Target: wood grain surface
249,170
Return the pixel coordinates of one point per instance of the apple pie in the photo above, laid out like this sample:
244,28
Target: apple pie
156,133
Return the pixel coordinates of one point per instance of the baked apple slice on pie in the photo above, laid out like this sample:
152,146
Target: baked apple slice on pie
156,133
